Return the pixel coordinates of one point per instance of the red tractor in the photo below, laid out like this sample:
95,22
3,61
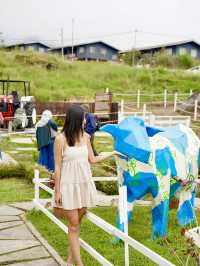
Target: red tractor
20,111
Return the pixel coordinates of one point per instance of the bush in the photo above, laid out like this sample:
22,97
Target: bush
21,170
165,60
33,58
59,121
128,57
186,61
162,59
110,188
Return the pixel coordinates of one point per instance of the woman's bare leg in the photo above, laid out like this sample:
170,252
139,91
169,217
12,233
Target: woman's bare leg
74,228
70,259
81,213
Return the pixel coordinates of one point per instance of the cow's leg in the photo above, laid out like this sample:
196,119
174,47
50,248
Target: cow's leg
160,219
186,214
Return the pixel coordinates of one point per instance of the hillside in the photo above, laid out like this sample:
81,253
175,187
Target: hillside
54,79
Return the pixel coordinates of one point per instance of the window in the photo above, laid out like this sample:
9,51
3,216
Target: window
182,50
194,53
169,51
41,49
30,48
92,50
103,51
114,57
81,50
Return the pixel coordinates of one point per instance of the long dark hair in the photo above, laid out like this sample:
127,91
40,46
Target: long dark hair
73,126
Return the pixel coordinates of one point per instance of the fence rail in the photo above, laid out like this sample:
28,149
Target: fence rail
110,229
176,100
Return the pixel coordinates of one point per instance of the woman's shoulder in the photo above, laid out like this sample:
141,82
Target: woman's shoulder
60,138
86,136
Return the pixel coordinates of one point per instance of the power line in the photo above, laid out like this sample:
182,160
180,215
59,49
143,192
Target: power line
114,34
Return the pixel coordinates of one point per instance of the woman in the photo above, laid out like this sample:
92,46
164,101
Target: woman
74,188
45,134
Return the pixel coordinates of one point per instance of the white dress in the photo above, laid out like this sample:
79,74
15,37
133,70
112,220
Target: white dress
76,185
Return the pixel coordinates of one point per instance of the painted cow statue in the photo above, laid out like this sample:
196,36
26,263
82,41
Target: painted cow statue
162,162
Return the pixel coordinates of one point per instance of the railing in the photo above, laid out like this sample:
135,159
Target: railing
162,98
110,229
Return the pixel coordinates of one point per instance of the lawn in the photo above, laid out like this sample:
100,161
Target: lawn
140,229
14,190
17,190
82,79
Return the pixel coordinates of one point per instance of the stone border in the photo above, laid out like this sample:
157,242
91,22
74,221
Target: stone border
43,241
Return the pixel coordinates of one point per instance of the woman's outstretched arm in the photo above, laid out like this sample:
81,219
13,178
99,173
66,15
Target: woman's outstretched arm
95,159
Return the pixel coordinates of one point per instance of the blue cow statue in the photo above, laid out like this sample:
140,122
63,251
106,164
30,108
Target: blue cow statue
162,162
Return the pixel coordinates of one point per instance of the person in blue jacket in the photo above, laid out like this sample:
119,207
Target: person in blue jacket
46,130
91,126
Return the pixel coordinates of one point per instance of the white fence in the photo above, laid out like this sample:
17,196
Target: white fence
166,121
165,98
176,100
110,229
156,120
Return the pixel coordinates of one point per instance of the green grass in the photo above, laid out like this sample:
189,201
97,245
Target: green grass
139,229
13,190
17,190
78,79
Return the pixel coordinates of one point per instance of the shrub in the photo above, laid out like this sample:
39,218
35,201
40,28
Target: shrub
33,58
110,188
59,121
165,60
21,170
128,57
186,61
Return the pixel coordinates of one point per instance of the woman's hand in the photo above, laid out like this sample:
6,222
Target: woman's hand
117,153
58,198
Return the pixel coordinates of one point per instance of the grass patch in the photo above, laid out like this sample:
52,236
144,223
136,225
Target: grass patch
139,229
17,190
83,79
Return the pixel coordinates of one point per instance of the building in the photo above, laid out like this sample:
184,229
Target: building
98,51
32,46
177,48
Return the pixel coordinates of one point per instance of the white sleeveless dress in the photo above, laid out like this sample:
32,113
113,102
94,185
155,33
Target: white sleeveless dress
76,185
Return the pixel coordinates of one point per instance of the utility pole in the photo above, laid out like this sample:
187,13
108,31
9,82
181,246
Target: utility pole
134,47
62,43
73,39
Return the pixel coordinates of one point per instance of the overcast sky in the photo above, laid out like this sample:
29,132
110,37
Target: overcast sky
113,21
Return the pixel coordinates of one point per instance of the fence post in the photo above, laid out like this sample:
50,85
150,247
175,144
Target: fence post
195,109
165,98
191,92
188,121
138,99
175,101
144,111
123,214
37,188
152,119
121,115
